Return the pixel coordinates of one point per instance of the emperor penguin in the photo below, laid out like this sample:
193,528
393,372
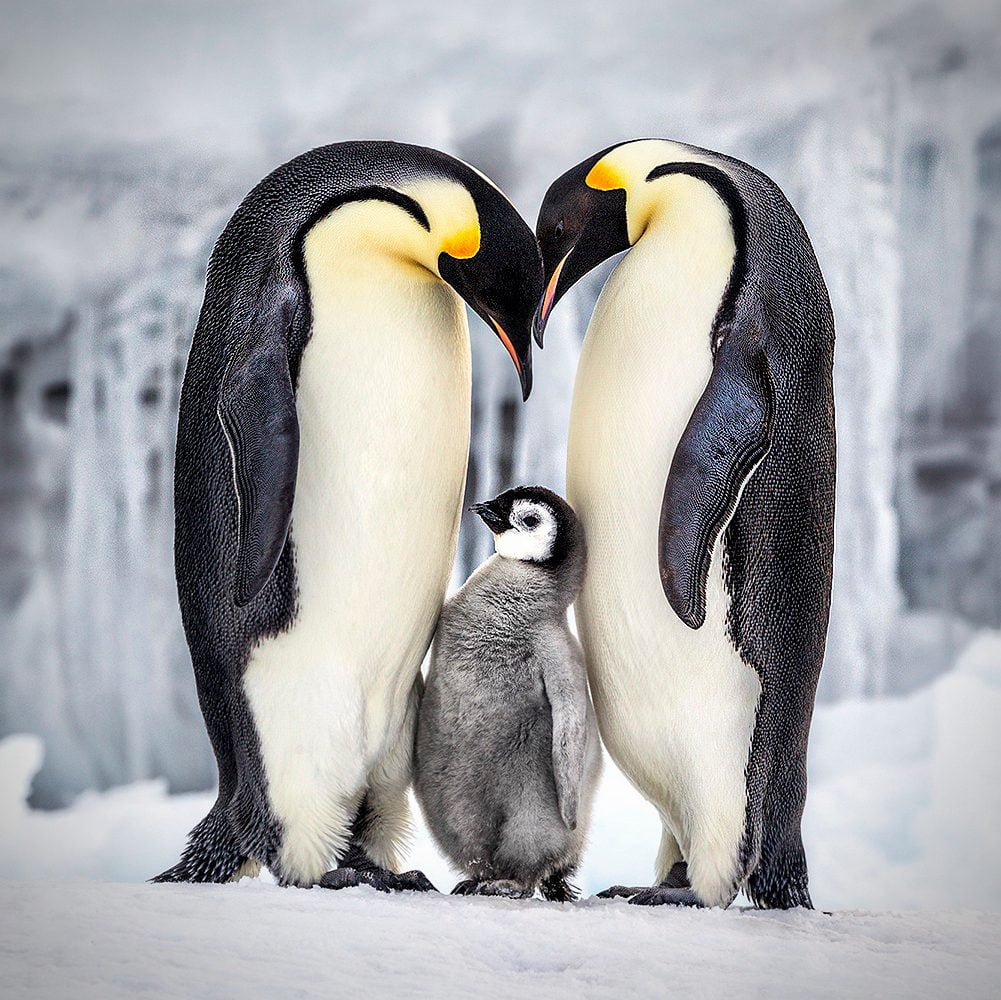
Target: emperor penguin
508,755
321,459
701,462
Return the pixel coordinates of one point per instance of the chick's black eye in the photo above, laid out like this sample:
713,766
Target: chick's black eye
530,521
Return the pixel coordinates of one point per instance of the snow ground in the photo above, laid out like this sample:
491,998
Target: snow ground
108,941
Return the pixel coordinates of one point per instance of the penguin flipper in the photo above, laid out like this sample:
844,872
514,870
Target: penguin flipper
257,412
727,436
565,682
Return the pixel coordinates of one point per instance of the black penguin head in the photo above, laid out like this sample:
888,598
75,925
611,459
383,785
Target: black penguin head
582,223
531,524
494,264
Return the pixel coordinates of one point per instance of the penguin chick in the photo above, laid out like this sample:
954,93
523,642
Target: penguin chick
508,755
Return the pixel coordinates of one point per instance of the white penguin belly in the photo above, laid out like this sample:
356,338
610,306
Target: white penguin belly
383,400
676,706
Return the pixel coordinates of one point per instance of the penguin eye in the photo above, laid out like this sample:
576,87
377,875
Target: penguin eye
530,521
559,229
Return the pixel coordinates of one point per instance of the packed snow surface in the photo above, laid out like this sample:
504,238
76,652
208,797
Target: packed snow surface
251,939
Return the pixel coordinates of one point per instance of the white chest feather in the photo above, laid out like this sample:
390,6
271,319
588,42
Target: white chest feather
676,706
383,401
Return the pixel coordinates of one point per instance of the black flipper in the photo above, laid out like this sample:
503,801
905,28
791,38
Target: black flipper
727,436
257,411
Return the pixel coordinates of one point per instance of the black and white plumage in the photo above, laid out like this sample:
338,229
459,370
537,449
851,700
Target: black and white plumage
701,461
328,388
508,753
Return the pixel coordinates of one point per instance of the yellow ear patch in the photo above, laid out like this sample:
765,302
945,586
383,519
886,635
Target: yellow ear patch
463,244
604,177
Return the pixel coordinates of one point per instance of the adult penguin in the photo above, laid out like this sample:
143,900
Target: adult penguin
321,458
701,464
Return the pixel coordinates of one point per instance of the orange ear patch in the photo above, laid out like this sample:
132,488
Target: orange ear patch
463,244
602,177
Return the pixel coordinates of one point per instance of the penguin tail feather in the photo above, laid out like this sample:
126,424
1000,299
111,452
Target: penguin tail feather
212,854
557,888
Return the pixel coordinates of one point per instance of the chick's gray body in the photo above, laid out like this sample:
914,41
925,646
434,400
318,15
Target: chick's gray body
508,753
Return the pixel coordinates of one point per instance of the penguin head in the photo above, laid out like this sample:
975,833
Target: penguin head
595,210
480,245
531,524
580,225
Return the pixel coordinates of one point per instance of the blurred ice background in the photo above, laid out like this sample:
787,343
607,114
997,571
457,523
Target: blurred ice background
131,132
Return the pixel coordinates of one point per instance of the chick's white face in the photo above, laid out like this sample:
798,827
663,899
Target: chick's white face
532,533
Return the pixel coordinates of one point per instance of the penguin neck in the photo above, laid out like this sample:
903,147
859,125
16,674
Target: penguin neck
368,241
685,211
528,591
668,288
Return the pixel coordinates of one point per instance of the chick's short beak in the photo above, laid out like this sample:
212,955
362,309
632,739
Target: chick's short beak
491,517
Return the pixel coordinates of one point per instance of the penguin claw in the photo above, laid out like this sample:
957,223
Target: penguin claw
467,887
378,878
662,895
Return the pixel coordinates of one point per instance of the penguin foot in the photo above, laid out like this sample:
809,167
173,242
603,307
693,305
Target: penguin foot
414,881
621,891
677,878
502,887
345,878
377,878
467,887
663,895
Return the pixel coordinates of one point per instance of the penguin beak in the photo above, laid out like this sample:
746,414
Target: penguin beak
491,516
504,293
521,355
548,301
